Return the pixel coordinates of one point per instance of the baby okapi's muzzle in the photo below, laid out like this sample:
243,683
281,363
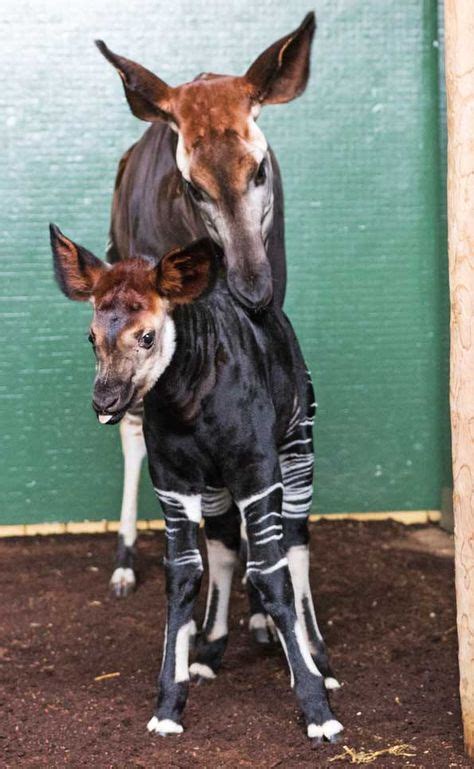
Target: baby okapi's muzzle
110,401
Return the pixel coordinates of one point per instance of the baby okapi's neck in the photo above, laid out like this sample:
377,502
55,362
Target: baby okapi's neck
191,374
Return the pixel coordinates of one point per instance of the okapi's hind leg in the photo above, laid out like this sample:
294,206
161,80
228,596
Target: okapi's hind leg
222,531
296,463
123,579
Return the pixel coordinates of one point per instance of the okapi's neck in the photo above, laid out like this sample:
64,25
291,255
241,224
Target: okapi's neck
192,372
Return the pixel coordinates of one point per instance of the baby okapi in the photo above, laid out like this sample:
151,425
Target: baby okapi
229,410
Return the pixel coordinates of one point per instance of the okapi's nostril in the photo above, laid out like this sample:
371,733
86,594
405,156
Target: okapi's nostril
105,403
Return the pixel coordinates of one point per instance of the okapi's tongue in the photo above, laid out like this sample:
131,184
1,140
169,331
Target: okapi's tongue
104,418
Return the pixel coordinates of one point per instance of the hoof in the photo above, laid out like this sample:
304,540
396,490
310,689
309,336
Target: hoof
200,673
122,582
331,683
263,630
163,727
330,731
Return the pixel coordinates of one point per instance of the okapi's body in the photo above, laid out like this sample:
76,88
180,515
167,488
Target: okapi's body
229,410
203,168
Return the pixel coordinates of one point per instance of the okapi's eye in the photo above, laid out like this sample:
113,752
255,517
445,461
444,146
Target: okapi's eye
195,192
147,340
91,337
261,175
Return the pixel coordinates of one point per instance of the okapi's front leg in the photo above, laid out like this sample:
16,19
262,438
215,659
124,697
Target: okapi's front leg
222,542
267,568
183,567
123,579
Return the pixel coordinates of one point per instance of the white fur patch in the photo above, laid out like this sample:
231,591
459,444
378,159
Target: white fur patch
199,669
221,567
183,160
124,577
134,452
328,729
181,670
189,504
304,649
163,727
331,683
285,649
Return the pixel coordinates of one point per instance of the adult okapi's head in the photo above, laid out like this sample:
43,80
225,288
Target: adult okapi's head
132,330
222,153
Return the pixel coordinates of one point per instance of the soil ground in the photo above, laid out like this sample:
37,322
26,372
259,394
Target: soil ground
385,599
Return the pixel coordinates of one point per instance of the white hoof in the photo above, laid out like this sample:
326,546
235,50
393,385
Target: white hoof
122,581
200,670
332,683
329,729
163,727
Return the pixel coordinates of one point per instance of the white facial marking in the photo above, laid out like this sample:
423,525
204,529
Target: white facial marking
181,669
148,373
183,159
104,418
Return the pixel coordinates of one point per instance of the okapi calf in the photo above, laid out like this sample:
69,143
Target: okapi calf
203,167
228,414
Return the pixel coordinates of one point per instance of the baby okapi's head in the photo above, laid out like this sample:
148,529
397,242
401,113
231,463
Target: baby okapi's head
132,332
221,152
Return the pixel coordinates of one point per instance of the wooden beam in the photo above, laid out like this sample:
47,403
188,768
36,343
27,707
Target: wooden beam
459,25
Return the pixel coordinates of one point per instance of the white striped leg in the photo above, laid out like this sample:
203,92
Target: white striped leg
123,579
267,567
183,567
298,562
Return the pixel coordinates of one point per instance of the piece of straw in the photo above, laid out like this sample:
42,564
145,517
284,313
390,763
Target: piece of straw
368,757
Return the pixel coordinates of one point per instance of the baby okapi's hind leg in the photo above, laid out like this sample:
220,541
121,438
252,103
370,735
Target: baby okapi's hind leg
267,568
296,463
123,579
222,542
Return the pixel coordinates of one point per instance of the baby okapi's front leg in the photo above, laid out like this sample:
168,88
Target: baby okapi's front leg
183,565
267,568
123,579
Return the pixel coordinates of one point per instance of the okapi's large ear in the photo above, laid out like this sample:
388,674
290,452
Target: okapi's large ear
185,273
76,269
281,73
147,95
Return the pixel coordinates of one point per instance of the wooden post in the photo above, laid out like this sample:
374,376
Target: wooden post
459,25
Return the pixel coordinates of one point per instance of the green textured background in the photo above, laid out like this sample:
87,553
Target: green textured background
360,155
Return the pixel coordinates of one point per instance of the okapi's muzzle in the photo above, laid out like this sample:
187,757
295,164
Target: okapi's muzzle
251,284
110,400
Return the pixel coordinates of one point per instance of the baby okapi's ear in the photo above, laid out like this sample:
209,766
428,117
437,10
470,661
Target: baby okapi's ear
185,273
147,95
76,269
281,73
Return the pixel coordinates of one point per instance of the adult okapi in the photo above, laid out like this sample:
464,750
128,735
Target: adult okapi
203,168
229,409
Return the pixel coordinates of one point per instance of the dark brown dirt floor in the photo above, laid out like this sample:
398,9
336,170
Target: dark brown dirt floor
384,595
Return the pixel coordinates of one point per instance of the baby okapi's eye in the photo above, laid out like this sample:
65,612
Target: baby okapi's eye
147,340
261,175
91,337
